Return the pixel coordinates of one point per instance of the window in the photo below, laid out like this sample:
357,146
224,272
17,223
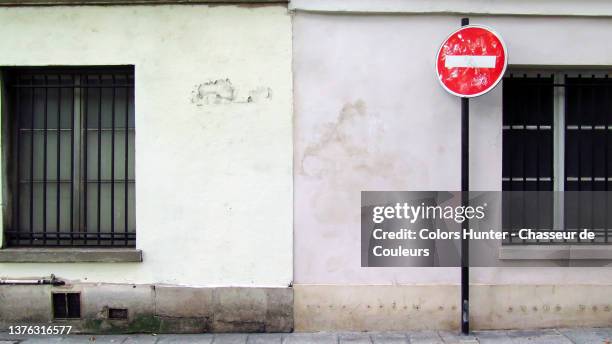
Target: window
557,137
528,118
68,134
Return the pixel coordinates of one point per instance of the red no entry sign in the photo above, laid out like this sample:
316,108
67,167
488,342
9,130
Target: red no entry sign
471,61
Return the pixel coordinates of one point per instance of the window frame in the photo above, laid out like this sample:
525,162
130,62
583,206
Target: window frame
595,250
79,129
559,143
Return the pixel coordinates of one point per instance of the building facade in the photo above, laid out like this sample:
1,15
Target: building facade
214,154
213,146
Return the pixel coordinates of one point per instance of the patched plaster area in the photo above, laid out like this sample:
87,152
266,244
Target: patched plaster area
222,91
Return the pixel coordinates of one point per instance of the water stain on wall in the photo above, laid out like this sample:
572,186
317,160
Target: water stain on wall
348,155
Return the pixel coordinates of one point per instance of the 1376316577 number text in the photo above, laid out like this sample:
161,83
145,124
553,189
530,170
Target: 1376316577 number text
39,329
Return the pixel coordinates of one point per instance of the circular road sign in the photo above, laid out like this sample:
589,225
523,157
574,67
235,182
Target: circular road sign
471,61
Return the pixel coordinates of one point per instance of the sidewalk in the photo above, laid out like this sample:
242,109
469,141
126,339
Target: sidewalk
560,336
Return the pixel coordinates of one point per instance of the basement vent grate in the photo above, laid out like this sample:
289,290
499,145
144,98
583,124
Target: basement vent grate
117,313
66,305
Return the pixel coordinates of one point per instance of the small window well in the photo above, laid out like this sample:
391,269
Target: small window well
117,313
66,305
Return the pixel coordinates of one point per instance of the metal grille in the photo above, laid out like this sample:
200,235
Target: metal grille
72,155
584,124
528,121
588,121
66,305
528,115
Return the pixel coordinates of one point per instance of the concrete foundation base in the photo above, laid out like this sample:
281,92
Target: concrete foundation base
154,308
178,309
436,307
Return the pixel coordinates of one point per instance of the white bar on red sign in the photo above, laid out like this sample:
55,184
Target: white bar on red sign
470,61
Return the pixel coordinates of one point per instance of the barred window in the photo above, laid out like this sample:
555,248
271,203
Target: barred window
68,134
557,137
528,117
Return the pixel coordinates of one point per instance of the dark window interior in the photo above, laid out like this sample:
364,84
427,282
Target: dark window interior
528,151
528,113
588,148
66,305
71,148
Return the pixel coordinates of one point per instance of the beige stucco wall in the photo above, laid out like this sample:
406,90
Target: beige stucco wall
590,8
370,115
213,181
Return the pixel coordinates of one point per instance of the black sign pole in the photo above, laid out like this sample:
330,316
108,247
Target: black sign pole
465,187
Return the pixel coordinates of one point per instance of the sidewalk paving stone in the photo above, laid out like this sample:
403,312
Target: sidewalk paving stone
265,338
354,338
538,337
230,338
546,336
493,337
42,340
390,338
588,335
425,337
185,339
140,339
311,338
449,337
93,338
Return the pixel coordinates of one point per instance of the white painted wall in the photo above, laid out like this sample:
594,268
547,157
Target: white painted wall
213,182
370,115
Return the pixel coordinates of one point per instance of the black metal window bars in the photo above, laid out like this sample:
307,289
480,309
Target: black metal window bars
585,161
70,138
